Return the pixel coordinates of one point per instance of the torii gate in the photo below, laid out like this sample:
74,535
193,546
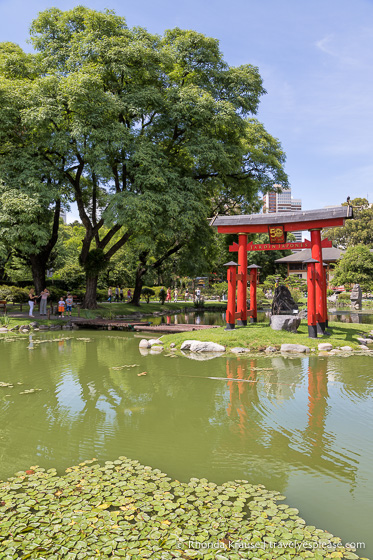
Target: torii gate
277,225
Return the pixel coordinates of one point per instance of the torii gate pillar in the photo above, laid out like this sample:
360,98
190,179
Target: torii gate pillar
231,304
242,280
320,291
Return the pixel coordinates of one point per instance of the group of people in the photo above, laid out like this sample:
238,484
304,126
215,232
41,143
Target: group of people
118,294
197,295
63,304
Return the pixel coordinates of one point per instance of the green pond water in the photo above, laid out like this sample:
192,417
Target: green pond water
302,426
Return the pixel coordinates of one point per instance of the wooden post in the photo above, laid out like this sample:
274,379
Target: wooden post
231,305
311,298
48,314
253,283
78,310
242,279
320,301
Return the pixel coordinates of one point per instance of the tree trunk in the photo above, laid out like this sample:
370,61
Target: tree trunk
140,271
91,293
39,268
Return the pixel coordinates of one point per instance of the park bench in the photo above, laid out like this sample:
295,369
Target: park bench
3,303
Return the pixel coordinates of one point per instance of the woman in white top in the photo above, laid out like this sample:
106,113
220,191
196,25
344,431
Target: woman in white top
31,300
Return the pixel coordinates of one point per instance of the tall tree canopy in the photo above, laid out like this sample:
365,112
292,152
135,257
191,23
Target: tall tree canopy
355,267
151,134
354,232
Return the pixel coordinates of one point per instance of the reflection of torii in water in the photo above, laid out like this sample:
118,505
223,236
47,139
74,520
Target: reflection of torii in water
320,441
244,406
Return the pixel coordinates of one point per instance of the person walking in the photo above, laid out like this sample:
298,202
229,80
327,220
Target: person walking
168,297
116,294
69,304
186,295
31,301
175,295
43,301
110,294
121,293
129,295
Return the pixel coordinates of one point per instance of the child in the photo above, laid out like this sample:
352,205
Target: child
69,304
61,307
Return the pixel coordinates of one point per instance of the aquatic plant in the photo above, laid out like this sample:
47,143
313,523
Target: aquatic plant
125,509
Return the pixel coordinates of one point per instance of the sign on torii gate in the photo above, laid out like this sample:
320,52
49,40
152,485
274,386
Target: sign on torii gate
277,225
279,246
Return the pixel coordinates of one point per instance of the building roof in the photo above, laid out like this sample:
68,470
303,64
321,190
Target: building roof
298,216
328,255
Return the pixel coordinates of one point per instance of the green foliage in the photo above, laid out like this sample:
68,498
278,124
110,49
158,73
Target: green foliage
4,320
124,509
355,267
147,293
14,294
220,288
356,231
344,296
95,262
149,135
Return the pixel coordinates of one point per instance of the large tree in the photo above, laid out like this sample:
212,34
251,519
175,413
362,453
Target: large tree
140,127
30,191
355,267
29,229
356,231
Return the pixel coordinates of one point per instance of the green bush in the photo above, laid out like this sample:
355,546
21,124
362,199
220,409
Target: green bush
14,294
344,296
162,295
329,292
147,293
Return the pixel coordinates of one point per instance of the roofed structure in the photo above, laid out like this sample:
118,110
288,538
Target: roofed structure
328,255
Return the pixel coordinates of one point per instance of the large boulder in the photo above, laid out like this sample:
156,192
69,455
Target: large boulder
198,346
285,322
294,348
283,302
144,343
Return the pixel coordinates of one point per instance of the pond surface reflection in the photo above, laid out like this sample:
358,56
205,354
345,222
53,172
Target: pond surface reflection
299,425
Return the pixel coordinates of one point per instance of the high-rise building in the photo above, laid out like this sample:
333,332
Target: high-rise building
282,202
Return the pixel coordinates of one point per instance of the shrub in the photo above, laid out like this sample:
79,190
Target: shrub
162,295
344,296
14,293
147,293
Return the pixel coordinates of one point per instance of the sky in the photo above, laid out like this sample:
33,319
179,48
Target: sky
315,59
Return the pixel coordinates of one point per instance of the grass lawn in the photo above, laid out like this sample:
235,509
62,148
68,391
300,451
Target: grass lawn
260,335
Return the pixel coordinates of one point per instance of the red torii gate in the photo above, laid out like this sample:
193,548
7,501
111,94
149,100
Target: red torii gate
277,225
